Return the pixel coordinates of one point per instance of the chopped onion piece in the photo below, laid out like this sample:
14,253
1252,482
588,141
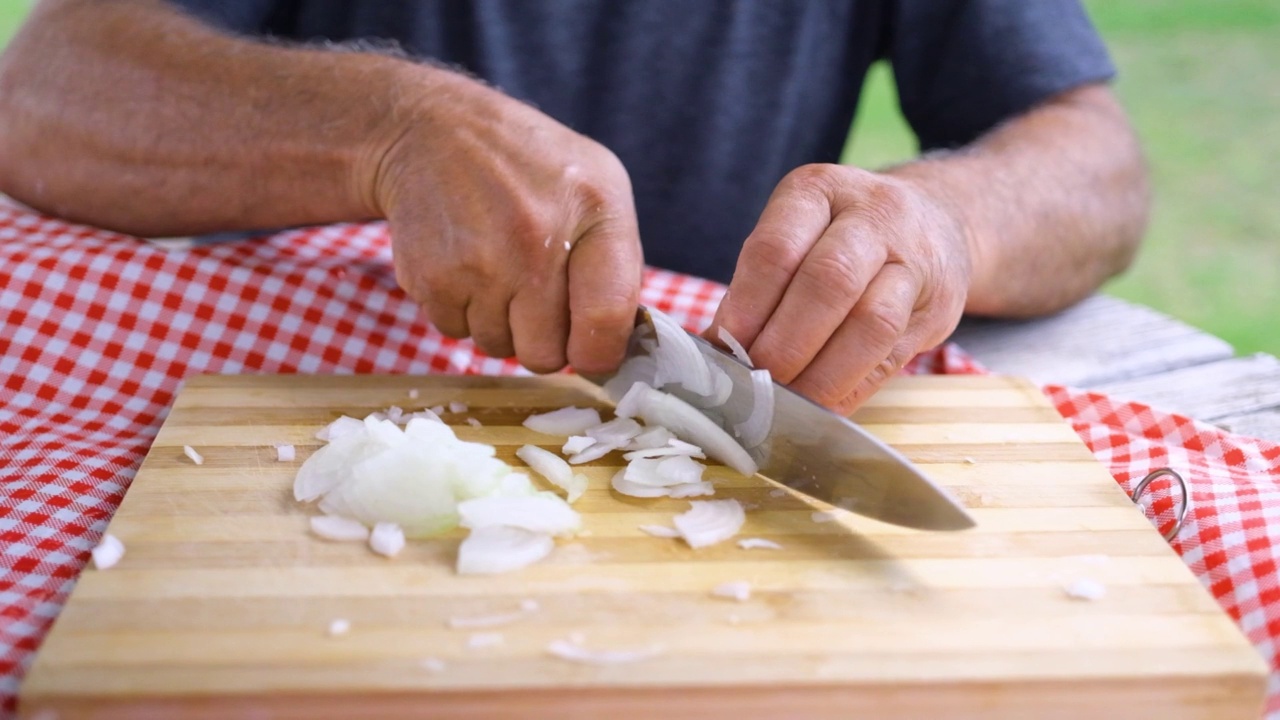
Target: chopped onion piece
758,544
1086,589
710,521
457,407
637,368
554,469
190,452
339,626
661,531
595,452
529,605
286,453
645,472
686,421
684,490
431,664
344,425
653,437
565,421
573,652
681,468
413,393
777,493
108,551
629,405
674,447
386,539
395,414
542,513
333,527
576,444
634,489
679,359
474,422
499,549
739,590
437,409
825,516
723,388
736,347
483,621
755,428
485,640
617,432
425,415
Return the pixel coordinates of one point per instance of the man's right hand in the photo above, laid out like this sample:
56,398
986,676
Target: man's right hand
510,228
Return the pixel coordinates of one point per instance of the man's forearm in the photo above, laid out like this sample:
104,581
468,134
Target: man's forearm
1053,202
131,116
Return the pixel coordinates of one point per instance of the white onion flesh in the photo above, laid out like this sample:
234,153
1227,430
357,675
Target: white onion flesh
651,438
191,453
674,447
541,513
629,487
594,452
342,426
708,522
554,469
108,552
473,422
637,368
739,590
386,539
340,529
1085,589
758,544
824,516
457,407
394,414
431,664
485,640
629,404
339,626
734,346
661,531
617,432
687,490
286,453
753,431
576,444
679,359
573,652
688,423
645,472
413,393
565,421
499,549
485,621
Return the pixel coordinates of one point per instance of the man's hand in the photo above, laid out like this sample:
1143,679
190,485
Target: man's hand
847,275
513,229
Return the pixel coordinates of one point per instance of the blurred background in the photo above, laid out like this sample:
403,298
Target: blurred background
1201,79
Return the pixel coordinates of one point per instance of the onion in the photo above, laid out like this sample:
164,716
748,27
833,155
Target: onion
473,422
425,415
723,388
554,469
738,351
661,531
485,640
577,444
457,407
339,626
565,421
681,418
541,513
386,539
431,664
676,447
710,521
637,368
394,414
437,409
739,590
573,652
413,393
679,359
1086,589
332,527
824,516
758,543
190,452
286,453
777,493
499,549
108,551
595,452
617,432
635,489
645,472
342,426
685,490
653,437
755,428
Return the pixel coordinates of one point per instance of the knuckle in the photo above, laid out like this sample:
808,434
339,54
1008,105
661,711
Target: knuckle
814,178
884,321
773,249
542,359
830,279
824,388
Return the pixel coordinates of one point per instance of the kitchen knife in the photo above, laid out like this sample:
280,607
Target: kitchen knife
823,455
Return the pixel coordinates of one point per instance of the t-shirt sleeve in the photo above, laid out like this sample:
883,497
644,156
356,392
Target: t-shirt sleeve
963,66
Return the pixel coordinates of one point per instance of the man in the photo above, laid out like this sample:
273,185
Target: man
516,208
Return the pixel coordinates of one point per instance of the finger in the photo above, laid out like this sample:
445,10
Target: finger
795,217
605,268
449,317
539,320
821,295
487,317
865,340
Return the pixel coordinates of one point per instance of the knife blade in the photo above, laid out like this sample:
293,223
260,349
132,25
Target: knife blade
823,455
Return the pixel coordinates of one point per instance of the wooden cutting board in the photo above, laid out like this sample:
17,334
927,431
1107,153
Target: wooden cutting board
221,606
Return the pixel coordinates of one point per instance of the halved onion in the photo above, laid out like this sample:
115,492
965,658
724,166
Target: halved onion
500,549
710,521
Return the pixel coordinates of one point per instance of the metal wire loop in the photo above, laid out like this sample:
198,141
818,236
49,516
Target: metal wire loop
1183,508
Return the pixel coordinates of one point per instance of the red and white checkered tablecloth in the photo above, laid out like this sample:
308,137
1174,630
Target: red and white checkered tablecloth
98,330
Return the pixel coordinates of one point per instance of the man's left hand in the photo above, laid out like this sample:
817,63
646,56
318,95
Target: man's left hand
847,275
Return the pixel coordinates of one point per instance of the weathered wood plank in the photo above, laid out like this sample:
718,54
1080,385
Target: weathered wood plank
1265,424
1100,340
1207,392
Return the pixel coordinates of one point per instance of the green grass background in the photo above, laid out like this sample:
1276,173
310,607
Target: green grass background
1201,79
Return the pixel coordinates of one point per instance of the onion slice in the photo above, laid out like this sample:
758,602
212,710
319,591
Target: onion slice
499,549
573,652
710,521
758,544
554,469
739,590
333,527
565,421
755,428
387,539
191,453
687,422
661,531
734,346
108,551
679,359
541,513
629,487
576,444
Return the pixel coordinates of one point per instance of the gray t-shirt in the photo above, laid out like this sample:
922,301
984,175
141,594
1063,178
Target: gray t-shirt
710,102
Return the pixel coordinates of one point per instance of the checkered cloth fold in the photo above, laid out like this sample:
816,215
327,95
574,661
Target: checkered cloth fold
98,330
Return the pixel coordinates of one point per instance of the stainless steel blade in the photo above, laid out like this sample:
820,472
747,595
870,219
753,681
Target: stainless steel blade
821,454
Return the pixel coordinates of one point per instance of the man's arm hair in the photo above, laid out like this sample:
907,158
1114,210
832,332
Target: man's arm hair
1054,202
132,116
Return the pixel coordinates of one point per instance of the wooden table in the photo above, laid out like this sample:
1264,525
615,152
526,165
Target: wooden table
1132,352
